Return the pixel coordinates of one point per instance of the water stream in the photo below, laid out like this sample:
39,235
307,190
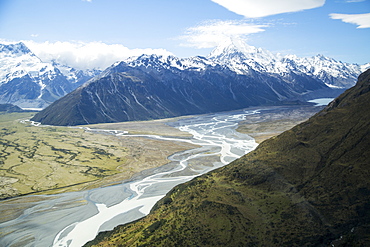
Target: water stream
72,219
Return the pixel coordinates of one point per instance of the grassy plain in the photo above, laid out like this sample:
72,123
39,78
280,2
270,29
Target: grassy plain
52,159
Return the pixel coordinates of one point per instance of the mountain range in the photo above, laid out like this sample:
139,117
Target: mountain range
309,186
9,108
28,82
234,76
241,58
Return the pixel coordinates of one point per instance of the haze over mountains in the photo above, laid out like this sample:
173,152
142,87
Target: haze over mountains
234,76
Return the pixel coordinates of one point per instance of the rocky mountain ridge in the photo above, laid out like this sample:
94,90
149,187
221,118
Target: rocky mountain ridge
151,87
240,57
28,82
233,76
243,59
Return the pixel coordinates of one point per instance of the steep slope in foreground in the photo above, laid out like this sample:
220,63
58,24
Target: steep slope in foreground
308,186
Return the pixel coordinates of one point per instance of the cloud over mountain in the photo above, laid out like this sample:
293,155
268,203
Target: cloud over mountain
212,33
81,55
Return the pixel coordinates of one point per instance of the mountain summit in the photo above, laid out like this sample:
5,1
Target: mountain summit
152,87
309,186
237,49
17,48
28,82
241,58
234,76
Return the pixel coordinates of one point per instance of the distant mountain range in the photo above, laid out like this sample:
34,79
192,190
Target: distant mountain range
241,58
9,108
309,186
233,76
28,82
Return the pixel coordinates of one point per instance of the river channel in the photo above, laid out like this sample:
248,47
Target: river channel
74,218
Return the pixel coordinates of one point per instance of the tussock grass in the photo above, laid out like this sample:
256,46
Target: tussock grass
57,159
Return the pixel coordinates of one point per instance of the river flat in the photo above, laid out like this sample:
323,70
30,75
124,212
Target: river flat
56,219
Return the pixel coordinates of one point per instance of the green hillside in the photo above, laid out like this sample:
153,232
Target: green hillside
309,186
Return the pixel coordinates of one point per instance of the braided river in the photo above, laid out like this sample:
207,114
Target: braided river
74,218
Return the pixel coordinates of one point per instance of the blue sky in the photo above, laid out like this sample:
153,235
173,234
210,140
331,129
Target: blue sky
92,33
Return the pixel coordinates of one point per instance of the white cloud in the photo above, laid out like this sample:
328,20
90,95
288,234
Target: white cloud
212,33
82,55
261,8
362,20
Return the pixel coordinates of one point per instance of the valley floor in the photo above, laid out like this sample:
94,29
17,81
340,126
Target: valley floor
50,160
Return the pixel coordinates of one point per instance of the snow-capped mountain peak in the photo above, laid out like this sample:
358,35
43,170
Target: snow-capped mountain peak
159,62
17,60
17,49
365,67
237,48
20,69
241,58
27,81
232,46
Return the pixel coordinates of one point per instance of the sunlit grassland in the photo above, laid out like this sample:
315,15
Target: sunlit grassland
56,159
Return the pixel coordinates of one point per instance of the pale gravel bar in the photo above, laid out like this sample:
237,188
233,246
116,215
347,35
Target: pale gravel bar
71,219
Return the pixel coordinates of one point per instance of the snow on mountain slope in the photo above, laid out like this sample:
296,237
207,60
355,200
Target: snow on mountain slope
234,76
16,60
244,59
239,52
196,63
152,87
365,67
335,74
28,82
74,75
240,57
